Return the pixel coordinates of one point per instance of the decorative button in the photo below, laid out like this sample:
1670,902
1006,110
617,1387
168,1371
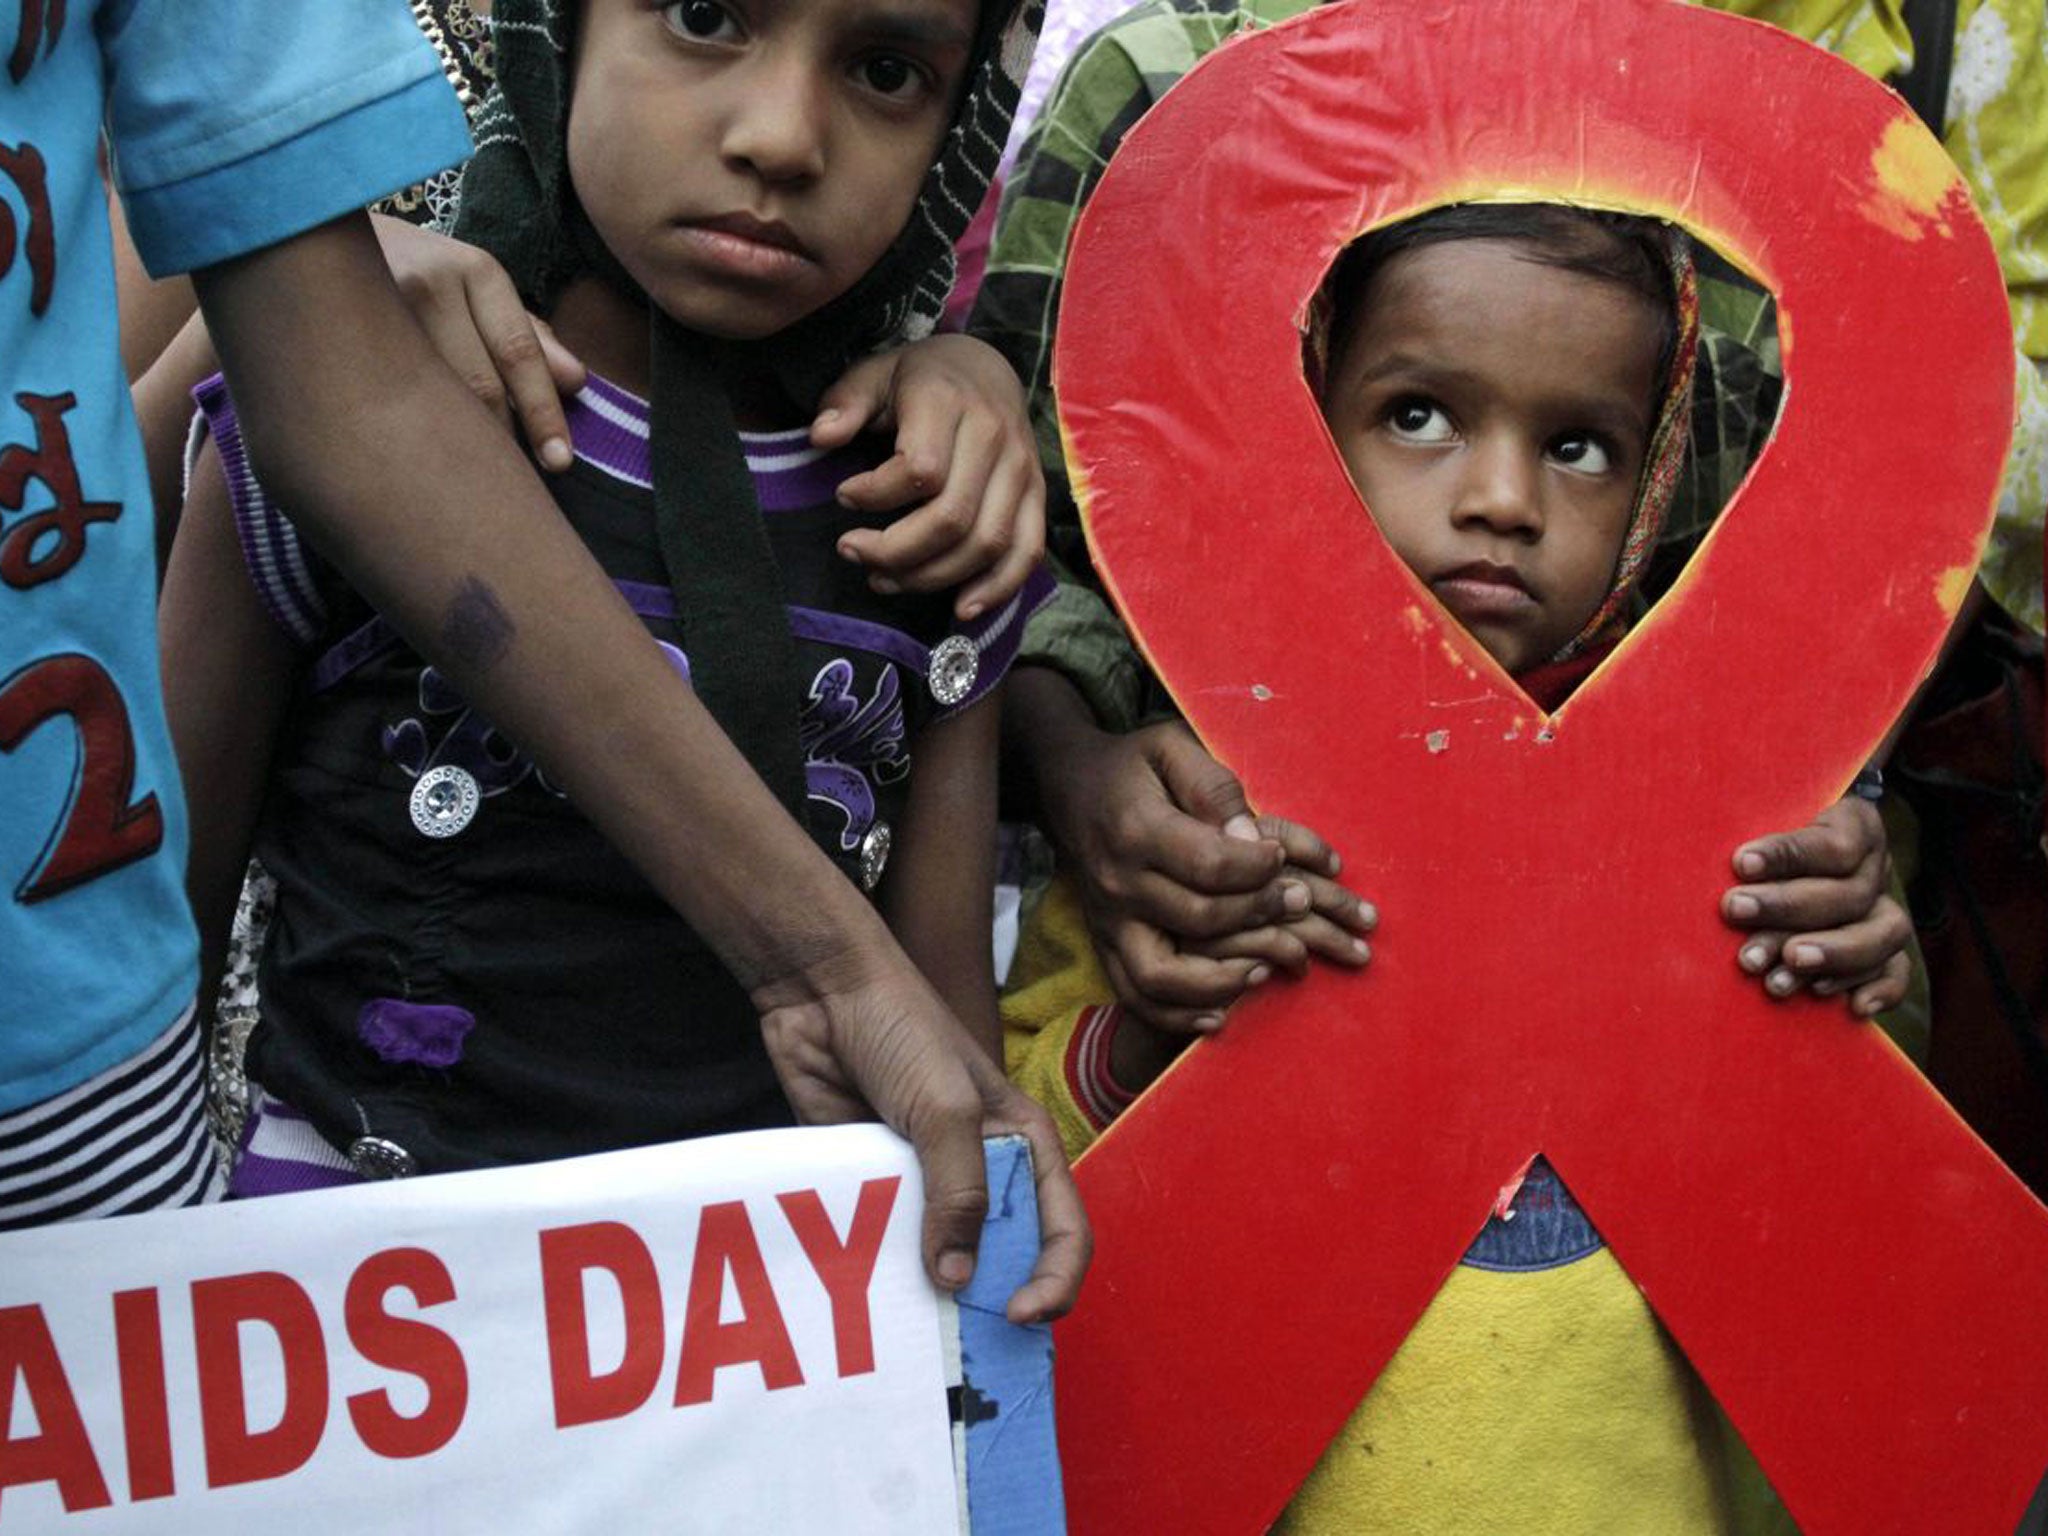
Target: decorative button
955,662
375,1158
874,854
444,801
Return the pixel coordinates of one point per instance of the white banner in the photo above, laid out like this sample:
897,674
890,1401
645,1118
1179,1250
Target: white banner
732,1335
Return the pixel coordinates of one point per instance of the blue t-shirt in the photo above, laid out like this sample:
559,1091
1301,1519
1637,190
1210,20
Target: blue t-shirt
233,124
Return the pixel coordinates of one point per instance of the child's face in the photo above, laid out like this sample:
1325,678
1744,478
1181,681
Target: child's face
1494,413
747,161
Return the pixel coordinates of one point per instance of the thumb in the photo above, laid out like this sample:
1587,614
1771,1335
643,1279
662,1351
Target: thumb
861,399
1200,785
955,1198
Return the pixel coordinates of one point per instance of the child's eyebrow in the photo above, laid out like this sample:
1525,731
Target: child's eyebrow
931,28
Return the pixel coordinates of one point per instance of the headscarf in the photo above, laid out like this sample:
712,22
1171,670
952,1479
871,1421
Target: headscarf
517,203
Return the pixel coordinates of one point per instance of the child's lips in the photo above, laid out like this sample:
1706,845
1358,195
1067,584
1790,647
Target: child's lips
1483,590
742,246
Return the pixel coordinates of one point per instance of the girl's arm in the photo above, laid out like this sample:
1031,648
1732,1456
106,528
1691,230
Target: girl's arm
938,894
227,672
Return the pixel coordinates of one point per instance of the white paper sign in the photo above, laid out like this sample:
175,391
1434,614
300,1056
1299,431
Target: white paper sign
728,1335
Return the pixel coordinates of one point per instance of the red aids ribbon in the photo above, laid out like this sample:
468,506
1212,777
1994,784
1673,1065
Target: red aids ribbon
1862,1285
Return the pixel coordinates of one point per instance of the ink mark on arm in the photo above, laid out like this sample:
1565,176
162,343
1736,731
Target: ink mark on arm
476,631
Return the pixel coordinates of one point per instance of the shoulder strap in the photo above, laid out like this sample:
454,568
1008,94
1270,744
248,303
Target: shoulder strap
1925,85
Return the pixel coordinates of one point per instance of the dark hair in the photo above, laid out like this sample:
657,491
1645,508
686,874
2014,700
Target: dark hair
1631,249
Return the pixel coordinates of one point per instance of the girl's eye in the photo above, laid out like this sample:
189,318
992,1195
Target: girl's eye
706,20
891,74
1582,453
1415,420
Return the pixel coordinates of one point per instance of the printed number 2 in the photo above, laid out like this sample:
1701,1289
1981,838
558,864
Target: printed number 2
99,830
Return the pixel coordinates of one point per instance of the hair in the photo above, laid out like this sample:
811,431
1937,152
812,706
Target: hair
1630,249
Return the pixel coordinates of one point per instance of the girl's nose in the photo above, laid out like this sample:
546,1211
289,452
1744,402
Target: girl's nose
777,124
1500,489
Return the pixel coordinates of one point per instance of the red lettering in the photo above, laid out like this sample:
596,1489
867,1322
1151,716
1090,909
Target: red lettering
100,829
60,1451
24,167
405,1344
725,1242
582,1396
845,1269
41,22
69,514
234,1452
145,1401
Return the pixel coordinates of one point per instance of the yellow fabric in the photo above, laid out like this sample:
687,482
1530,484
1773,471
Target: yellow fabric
1054,978
1546,1403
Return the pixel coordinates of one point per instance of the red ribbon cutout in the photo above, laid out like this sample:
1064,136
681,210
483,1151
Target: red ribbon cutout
1862,1285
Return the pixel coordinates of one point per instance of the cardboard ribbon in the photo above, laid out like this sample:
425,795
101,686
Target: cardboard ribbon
1862,1285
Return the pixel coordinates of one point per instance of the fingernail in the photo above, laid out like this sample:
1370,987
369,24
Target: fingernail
1209,1023
1742,906
1780,983
830,413
556,454
1257,974
969,612
1243,828
1294,897
1754,957
1749,864
1826,987
1361,949
848,552
1368,914
956,1268
1805,955
1336,865
885,585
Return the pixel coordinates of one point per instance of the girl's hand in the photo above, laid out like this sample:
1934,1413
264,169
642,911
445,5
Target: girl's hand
1819,911
472,314
964,460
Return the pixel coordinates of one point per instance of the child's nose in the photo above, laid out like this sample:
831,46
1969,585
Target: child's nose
1500,489
776,127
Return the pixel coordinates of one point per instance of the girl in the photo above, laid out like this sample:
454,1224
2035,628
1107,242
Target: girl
718,206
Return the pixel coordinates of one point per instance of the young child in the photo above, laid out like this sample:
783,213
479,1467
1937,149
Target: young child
1510,387
717,205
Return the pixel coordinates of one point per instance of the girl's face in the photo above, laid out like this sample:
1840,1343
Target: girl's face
1494,413
747,161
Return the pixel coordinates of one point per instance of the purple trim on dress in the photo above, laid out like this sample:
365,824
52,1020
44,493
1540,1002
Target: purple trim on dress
608,429
837,629
998,634
421,1034
270,545
353,650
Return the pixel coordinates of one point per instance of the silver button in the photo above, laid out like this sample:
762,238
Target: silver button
373,1157
955,662
444,801
874,854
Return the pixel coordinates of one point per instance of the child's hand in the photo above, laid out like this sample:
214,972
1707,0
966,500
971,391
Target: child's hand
473,315
1188,899
964,459
1818,907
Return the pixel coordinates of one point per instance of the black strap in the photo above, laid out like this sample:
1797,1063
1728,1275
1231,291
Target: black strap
1925,85
728,588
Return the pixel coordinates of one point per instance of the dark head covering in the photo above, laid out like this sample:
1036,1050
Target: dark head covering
518,205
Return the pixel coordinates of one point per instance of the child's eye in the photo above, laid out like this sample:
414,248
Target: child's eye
1582,453
1415,420
705,20
891,74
